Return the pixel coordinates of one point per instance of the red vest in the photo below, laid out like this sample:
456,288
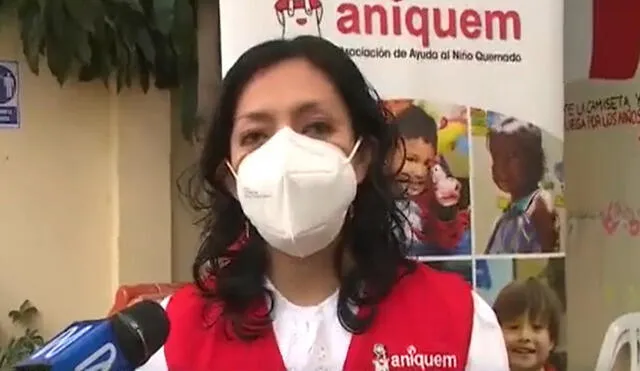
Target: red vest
426,319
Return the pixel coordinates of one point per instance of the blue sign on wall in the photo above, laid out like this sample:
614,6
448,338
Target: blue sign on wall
9,95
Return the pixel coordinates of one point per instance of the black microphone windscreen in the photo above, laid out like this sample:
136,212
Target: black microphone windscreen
141,330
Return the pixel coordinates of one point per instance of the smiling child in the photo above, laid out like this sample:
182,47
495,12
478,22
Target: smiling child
529,313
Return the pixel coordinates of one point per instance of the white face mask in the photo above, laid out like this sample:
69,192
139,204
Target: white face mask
296,191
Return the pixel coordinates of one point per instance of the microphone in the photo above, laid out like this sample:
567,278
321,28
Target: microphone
121,342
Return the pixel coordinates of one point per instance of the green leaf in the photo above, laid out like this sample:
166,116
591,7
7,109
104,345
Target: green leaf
32,29
11,343
132,4
8,5
189,106
28,6
128,35
132,68
21,347
122,63
76,42
15,315
56,17
3,358
83,48
144,73
25,305
29,312
184,32
101,42
38,340
166,72
84,12
143,40
145,44
58,50
163,15
105,64
58,60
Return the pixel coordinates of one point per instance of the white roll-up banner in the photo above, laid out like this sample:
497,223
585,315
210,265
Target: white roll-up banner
487,76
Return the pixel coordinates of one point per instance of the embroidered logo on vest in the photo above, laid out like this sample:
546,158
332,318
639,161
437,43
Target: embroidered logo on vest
380,361
412,359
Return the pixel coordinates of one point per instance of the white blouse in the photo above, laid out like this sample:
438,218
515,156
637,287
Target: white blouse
311,338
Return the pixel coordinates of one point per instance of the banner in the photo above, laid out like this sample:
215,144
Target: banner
476,88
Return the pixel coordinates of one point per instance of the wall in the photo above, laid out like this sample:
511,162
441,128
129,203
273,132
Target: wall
184,234
88,200
183,154
85,195
602,265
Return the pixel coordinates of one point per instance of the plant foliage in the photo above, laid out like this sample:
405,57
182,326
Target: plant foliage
20,347
122,41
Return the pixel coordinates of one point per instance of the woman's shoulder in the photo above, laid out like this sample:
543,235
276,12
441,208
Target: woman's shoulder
187,300
425,276
189,311
191,314
187,293
425,285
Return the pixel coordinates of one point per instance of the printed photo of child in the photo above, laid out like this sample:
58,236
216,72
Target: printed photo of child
528,298
433,170
525,205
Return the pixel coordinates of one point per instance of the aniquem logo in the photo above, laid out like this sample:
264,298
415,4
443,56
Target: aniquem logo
615,48
398,18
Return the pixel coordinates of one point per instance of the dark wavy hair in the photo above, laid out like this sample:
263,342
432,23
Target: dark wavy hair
370,235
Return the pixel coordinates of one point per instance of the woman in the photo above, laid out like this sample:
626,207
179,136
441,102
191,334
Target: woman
305,268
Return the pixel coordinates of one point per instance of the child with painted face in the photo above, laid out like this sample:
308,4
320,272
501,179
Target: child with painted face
529,224
529,314
303,265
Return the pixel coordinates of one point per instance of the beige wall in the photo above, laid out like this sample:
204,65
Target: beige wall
602,275
184,237
85,197
88,200
183,154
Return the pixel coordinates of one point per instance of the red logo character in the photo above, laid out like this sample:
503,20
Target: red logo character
299,17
